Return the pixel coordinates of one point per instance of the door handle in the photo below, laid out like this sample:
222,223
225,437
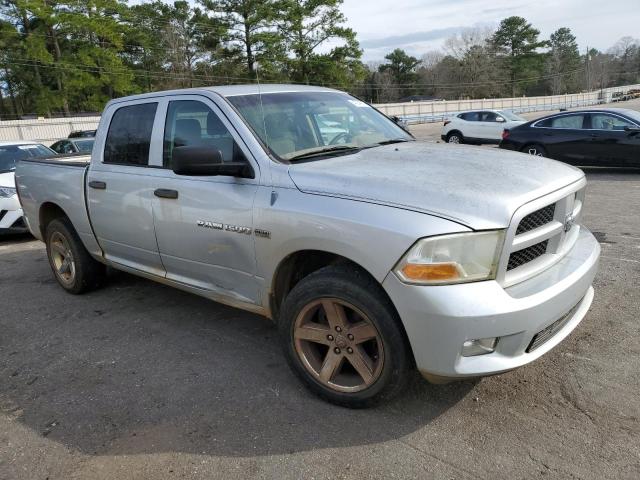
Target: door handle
97,185
165,193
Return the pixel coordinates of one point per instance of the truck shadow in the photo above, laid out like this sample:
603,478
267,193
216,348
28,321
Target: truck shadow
138,367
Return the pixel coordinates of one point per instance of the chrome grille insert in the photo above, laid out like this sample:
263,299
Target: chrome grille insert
536,219
527,255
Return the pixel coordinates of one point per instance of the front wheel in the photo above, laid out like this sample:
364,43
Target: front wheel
343,338
535,150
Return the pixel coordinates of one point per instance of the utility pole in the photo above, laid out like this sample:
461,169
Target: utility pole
587,69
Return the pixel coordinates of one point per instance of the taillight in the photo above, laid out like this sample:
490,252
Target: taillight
447,122
505,134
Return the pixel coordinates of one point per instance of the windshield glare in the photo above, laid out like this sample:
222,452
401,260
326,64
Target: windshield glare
11,154
296,123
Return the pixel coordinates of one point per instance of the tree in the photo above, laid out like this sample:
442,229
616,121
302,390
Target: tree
249,24
516,44
402,68
307,25
563,62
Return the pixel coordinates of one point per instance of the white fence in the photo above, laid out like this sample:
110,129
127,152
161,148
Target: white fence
50,130
45,130
436,111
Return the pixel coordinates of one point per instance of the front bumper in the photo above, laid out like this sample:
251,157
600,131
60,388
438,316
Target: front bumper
439,319
11,215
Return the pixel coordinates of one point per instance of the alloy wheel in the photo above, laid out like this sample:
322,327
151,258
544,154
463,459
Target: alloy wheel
338,345
62,258
454,139
534,151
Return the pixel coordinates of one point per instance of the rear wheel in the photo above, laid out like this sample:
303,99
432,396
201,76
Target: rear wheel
74,268
342,337
455,137
535,150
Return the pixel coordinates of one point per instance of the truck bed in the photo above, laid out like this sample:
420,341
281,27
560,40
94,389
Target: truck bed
58,180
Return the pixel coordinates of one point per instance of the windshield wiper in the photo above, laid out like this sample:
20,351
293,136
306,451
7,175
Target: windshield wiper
324,151
393,140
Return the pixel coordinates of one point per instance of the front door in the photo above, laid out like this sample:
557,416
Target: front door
204,224
119,193
612,145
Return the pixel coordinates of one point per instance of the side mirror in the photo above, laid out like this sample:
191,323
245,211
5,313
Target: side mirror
500,120
206,161
400,122
632,130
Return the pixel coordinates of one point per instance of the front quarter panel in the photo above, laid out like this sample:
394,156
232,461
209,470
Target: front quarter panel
371,235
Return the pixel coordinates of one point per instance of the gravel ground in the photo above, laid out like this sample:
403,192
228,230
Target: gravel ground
138,380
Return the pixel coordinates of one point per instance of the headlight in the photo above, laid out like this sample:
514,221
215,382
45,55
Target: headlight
457,258
6,192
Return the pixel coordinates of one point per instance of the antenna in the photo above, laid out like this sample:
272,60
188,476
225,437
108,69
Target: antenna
256,67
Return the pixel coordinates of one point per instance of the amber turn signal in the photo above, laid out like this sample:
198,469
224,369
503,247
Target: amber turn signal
431,272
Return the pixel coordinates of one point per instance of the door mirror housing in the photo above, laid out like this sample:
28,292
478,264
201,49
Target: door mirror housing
197,160
500,120
632,130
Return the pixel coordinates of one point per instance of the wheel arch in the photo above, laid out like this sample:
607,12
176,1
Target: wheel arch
48,212
300,264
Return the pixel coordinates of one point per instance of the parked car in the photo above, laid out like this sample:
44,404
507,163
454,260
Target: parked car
73,145
82,134
605,137
11,217
373,253
479,126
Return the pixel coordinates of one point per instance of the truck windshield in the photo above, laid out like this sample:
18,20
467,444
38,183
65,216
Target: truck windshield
11,154
301,124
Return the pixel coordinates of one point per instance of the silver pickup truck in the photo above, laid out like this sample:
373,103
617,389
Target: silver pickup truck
374,253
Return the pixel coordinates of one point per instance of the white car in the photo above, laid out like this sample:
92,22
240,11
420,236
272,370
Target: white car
479,126
11,217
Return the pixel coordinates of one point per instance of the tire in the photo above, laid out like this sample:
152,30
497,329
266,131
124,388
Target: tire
455,137
371,339
535,150
73,267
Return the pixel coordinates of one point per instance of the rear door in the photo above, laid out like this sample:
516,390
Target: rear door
566,138
611,144
119,191
204,224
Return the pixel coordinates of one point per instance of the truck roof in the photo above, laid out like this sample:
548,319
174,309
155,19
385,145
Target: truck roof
234,90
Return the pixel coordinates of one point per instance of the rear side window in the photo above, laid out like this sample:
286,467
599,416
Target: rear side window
574,122
129,135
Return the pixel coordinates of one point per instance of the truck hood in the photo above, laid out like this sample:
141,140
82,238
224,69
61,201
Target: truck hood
8,179
477,187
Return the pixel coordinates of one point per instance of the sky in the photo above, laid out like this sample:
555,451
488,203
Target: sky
422,25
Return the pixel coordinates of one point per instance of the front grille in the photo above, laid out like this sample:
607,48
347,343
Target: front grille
526,255
536,219
546,333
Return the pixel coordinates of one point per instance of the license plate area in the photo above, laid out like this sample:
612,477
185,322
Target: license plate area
549,331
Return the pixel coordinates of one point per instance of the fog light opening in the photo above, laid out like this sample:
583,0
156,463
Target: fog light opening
479,346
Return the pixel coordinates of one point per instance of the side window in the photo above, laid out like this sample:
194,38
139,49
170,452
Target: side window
57,147
488,117
602,121
471,116
574,122
129,135
192,123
